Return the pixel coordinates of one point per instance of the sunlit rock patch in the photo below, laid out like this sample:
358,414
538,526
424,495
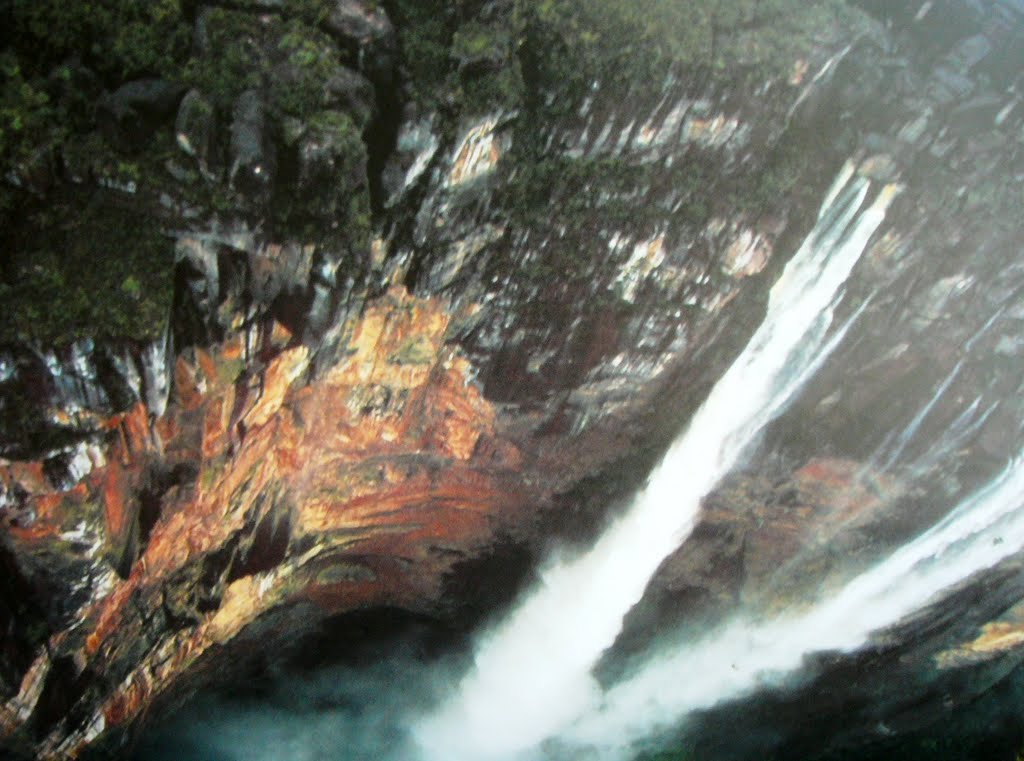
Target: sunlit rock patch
1000,637
477,154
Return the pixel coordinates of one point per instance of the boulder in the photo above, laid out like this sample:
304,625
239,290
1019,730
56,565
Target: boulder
356,26
253,154
130,114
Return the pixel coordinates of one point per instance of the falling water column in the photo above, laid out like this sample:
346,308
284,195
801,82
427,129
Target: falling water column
532,674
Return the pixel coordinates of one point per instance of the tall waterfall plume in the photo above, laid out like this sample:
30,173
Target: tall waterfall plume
532,674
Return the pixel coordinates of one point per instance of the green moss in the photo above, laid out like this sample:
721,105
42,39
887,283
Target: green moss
311,58
480,42
560,46
335,187
636,41
229,370
604,192
71,267
291,57
313,12
415,351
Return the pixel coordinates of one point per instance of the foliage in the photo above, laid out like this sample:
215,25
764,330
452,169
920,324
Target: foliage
336,188
425,29
91,267
247,51
236,61
537,57
120,39
475,41
71,266
25,112
311,59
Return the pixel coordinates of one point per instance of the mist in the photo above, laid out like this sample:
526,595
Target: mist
338,713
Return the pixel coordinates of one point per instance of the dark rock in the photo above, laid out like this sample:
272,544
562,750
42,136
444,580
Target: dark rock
352,93
201,32
37,172
541,373
195,128
253,154
351,20
128,116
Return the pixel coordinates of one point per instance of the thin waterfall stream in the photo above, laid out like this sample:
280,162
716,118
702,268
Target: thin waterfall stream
984,529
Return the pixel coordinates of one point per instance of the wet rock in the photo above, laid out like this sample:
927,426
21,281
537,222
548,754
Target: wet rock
416,148
948,85
349,439
970,52
128,116
195,129
253,152
975,116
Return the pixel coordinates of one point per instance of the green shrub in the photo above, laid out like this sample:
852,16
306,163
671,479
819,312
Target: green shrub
120,39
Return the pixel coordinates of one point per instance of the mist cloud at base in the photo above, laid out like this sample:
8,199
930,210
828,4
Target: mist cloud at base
335,714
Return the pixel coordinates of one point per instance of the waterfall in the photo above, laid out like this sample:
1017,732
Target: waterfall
532,674
983,530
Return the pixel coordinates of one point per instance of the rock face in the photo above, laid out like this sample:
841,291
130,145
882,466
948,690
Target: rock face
333,423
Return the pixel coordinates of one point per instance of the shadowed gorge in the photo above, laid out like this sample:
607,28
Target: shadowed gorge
511,380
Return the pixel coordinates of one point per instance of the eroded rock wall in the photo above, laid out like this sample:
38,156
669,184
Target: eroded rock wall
335,421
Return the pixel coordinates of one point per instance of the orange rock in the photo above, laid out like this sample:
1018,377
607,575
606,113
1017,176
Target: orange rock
207,364
135,425
381,466
186,386
28,475
283,371
115,490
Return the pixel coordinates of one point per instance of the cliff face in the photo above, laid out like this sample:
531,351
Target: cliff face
558,271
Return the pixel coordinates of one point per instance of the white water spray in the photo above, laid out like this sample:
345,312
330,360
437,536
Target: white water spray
985,529
532,675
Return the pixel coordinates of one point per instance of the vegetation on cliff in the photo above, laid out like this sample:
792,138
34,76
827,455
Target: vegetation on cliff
91,172
68,125
89,267
560,45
